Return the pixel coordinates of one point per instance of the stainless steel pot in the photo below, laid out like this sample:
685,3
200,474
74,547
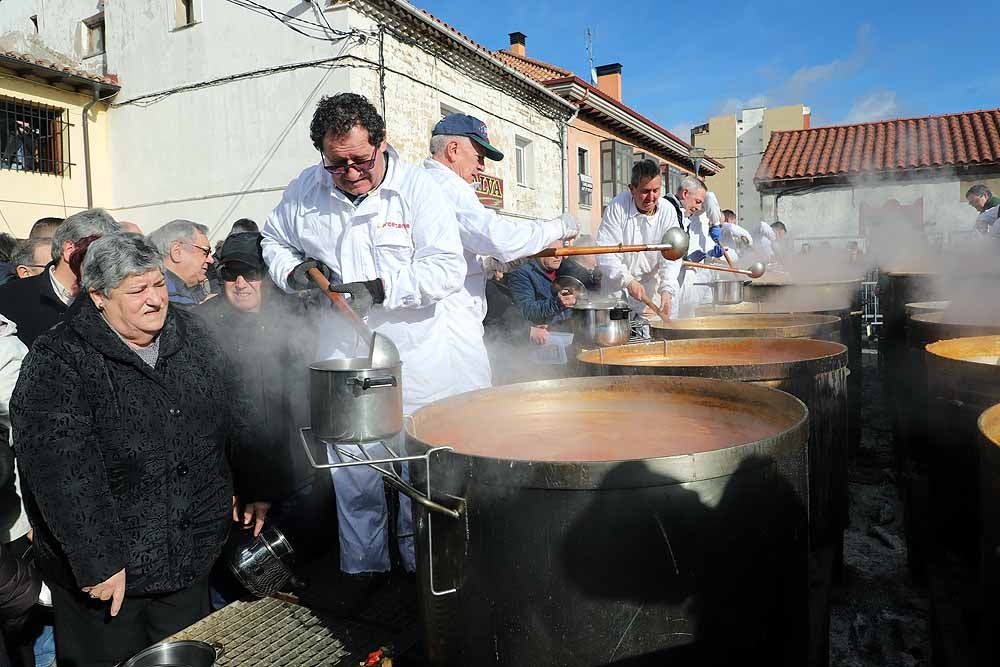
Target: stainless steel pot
263,563
726,292
601,323
181,653
352,402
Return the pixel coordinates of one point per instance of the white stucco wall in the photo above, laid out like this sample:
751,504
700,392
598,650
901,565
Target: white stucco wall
59,27
413,106
834,213
214,154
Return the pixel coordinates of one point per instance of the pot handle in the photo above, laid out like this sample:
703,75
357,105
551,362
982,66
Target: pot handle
370,383
219,649
390,476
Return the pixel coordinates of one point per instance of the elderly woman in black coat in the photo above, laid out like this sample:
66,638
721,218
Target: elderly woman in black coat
123,418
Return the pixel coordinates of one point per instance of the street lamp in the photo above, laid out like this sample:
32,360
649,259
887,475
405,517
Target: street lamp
697,154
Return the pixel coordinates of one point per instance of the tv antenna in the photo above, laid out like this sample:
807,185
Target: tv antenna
590,57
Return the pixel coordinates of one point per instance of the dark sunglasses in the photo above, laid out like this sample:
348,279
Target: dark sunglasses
231,274
341,169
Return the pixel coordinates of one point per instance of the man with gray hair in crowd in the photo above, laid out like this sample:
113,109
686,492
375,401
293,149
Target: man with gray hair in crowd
31,256
186,256
38,303
459,148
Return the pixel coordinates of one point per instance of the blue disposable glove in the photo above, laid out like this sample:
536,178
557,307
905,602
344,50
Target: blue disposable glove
715,232
696,256
716,252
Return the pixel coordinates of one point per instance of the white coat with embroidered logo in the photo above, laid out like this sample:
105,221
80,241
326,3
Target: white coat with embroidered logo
405,233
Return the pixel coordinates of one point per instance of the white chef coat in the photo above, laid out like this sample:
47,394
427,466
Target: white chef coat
405,233
693,294
483,234
624,223
763,241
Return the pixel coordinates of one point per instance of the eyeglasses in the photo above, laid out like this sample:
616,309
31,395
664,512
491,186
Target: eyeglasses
231,274
207,251
361,167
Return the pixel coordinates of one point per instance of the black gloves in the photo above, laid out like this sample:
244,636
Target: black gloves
363,294
299,279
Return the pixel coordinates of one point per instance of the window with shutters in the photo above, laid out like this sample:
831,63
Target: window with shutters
586,182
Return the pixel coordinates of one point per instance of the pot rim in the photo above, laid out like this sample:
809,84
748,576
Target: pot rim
349,364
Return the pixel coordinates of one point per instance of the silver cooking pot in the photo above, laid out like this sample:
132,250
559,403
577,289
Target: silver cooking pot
357,400
181,653
726,292
263,564
601,322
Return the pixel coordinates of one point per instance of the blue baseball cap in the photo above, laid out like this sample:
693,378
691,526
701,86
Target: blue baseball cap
461,125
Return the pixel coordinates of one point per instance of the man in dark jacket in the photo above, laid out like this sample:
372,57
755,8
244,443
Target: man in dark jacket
38,303
268,341
186,257
533,293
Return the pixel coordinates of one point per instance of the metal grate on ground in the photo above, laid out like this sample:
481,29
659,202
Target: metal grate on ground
270,632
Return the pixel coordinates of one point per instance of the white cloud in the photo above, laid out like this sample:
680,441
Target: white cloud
879,105
736,104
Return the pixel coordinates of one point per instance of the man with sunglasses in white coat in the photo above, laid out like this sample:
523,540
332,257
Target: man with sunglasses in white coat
459,148
383,233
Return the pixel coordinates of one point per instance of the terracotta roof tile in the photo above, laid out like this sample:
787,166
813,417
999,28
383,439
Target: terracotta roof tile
107,79
962,139
534,69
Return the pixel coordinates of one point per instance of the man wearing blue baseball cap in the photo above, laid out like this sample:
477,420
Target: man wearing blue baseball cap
459,147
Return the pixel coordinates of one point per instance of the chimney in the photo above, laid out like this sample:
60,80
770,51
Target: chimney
517,40
609,80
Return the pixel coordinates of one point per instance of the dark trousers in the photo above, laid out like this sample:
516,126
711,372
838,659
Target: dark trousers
87,635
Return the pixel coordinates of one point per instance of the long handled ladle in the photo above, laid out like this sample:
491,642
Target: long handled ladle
755,270
673,245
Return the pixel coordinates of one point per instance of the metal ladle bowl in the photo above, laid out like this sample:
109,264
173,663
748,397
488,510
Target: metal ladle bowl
678,240
383,353
756,270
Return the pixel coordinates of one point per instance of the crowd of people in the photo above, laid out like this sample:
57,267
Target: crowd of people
155,384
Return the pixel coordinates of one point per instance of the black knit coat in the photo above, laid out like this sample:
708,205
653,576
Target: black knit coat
126,466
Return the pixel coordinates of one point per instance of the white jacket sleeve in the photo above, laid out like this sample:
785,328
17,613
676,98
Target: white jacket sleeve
736,232
611,232
765,231
280,242
485,233
12,352
438,267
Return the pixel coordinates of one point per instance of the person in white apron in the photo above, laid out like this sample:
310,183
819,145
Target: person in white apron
641,216
384,232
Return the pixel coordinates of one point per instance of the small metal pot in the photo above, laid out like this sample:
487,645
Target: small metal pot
263,564
603,323
352,402
181,653
726,292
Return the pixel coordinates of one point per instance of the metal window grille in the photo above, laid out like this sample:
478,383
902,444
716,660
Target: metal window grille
34,137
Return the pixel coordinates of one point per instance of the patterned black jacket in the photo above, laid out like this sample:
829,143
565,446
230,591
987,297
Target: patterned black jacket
125,465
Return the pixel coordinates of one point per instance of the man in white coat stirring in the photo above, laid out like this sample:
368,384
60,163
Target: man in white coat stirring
384,233
459,147
642,216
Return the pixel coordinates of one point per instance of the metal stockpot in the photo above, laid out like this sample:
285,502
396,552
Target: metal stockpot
263,563
784,325
351,402
601,323
726,292
607,521
181,653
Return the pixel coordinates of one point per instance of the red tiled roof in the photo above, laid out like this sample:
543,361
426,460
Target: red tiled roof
889,146
532,68
107,79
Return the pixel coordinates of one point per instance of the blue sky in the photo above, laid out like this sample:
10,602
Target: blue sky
849,61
